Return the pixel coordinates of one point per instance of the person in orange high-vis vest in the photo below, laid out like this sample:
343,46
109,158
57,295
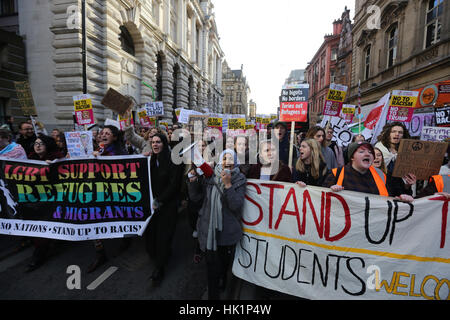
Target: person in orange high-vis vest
359,174
439,183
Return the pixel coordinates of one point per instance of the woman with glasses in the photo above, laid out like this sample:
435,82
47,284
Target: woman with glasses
44,149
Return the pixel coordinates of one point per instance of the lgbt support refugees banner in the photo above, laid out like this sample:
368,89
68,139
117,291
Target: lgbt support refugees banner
317,244
79,199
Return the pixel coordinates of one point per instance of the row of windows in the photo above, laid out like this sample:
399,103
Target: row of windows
433,26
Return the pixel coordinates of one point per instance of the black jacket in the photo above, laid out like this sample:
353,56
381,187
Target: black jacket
165,177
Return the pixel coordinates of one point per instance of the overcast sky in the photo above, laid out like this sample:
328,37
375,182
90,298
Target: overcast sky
271,38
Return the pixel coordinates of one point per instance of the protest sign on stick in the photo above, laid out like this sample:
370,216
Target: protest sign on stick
293,108
25,97
79,143
422,158
84,112
155,108
401,105
334,100
435,133
442,116
117,102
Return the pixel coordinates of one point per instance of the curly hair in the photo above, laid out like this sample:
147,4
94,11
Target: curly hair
385,135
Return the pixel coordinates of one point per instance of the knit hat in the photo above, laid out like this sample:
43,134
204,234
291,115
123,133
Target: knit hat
276,123
355,145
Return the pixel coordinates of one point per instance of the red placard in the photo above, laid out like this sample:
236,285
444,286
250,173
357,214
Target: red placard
294,111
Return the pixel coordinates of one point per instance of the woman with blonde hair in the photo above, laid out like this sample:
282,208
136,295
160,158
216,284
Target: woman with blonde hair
318,133
379,160
310,168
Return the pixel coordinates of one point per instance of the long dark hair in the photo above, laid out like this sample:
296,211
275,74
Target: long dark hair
49,142
385,134
164,156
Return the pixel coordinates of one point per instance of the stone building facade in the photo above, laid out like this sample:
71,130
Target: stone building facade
171,45
399,45
235,89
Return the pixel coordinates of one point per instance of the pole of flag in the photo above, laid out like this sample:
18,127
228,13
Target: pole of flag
359,106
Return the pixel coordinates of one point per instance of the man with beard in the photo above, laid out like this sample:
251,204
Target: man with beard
27,137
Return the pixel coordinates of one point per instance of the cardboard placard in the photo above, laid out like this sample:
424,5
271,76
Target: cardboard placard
422,158
199,122
25,97
117,102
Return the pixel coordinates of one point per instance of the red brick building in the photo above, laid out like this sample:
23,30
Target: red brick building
330,64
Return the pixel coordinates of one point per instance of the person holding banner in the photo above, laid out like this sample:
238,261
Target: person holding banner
310,168
359,175
267,168
45,149
218,225
389,142
280,130
111,144
318,133
112,140
379,161
166,182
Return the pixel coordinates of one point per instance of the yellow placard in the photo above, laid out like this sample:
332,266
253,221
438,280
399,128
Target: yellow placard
403,101
336,95
347,110
84,104
237,123
215,122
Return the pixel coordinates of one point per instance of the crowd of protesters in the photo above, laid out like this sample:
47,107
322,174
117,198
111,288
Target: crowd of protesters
214,201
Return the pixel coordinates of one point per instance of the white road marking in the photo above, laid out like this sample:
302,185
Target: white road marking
105,275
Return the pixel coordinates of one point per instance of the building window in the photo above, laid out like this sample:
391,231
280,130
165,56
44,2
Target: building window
126,41
8,7
155,11
159,72
367,62
433,22
332,76
197,44
334,54
173,20
392,46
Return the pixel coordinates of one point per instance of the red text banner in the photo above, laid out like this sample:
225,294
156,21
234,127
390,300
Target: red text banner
317,244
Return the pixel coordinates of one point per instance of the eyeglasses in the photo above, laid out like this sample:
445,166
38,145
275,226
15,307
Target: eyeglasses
39,144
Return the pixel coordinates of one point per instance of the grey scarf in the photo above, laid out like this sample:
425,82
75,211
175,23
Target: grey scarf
216,219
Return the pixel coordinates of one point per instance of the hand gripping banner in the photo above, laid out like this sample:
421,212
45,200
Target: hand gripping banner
317,244
79,199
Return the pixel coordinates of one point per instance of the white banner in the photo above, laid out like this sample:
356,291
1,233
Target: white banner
316,244
341,132
435,133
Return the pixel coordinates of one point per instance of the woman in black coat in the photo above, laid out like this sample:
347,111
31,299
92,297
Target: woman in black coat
166,181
